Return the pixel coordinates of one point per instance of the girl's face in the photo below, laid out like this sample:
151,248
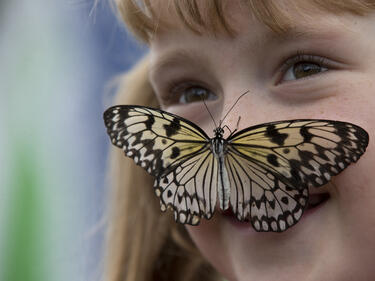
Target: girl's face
322,67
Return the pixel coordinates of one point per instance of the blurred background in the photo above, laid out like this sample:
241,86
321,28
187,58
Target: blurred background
57,58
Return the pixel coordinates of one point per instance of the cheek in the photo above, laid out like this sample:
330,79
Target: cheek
356,205
356,192
209,239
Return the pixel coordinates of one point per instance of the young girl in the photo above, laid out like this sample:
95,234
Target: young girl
298,60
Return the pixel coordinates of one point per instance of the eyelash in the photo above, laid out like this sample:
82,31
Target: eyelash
175,90
301,56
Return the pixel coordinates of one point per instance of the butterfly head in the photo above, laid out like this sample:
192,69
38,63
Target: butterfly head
219,132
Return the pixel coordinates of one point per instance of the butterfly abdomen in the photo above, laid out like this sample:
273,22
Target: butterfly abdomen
219,149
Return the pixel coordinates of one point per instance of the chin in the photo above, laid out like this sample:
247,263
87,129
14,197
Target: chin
239,252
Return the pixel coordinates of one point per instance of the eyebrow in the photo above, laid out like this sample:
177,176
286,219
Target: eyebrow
301,34
173,58
308,32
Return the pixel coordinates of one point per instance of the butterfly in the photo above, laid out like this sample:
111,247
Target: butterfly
263,173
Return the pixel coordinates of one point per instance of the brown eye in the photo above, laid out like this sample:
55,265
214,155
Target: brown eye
303,69
196,94
303,66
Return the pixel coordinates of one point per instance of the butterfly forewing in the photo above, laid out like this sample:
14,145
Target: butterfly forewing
156,140
304,152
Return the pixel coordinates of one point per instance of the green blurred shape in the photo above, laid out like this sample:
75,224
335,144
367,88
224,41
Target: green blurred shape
24,229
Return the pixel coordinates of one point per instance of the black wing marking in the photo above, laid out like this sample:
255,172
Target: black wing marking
157,140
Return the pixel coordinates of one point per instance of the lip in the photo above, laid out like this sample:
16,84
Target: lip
310,210
245,227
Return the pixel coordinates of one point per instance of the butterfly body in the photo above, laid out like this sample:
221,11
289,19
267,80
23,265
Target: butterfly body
263,172
219,150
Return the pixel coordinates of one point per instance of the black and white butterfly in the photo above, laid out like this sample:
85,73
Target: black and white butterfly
262,172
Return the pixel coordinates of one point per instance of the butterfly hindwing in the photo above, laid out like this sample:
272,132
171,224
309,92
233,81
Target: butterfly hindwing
156,140
190,189
261,197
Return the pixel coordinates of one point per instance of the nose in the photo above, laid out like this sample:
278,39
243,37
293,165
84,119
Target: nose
234,104
246,105
233,109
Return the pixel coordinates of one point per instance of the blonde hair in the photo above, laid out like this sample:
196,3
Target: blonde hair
142,243
142,19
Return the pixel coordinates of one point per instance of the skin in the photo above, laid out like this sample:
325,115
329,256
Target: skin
336,241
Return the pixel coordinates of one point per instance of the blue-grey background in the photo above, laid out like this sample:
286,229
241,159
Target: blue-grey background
57,58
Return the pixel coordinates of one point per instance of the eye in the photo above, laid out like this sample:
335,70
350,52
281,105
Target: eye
190,93
302,66
196,94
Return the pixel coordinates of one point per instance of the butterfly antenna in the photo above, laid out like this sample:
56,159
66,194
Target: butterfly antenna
222,120
209,112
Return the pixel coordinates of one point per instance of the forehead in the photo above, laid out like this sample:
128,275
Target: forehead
304,20
233,16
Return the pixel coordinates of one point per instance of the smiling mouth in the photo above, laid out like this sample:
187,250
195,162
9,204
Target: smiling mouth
316,200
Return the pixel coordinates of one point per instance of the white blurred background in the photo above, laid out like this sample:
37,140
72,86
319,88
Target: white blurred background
56,60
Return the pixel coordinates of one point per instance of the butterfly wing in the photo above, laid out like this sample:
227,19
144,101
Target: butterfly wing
191,189
271,166
260,196
171,149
